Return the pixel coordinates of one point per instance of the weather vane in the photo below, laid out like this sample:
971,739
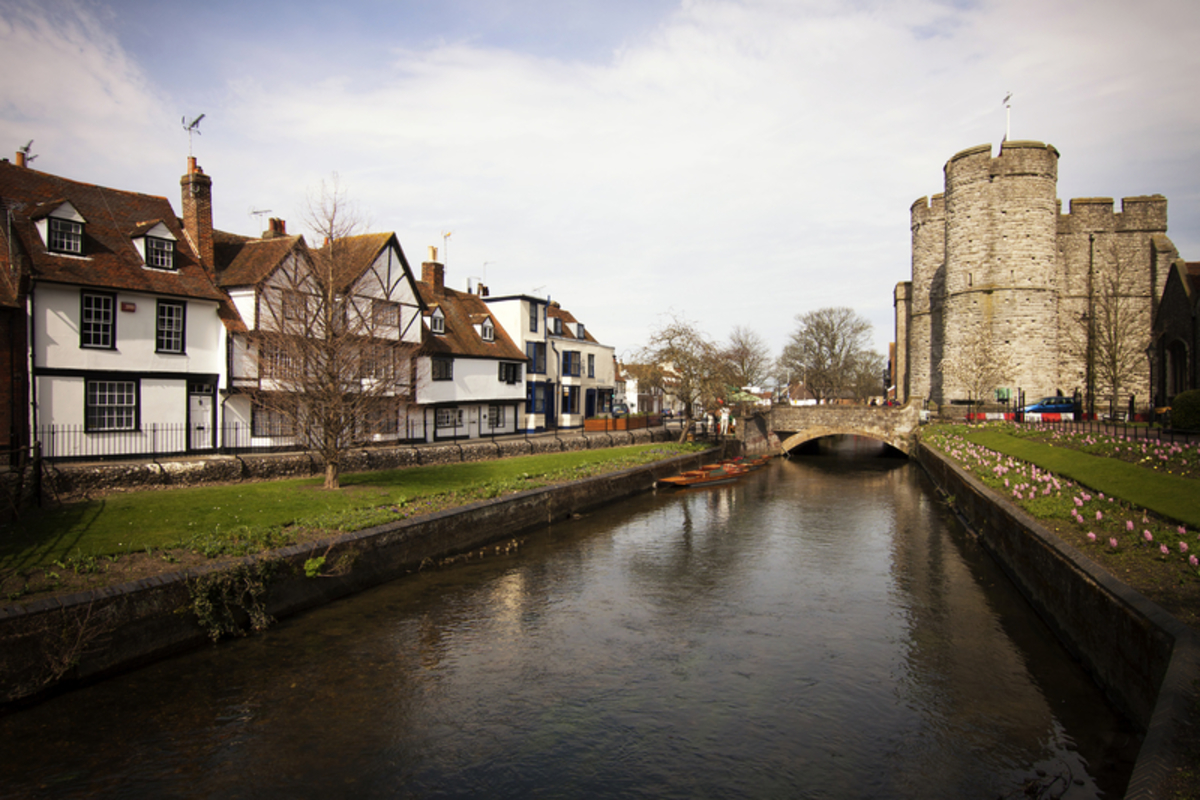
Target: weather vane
191,127
28,146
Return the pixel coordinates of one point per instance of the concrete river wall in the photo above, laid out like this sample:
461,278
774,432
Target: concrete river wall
1147,661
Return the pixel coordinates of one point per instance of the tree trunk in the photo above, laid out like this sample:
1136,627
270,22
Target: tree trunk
683,432
331,475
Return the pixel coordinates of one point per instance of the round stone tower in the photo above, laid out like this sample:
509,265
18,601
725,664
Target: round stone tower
928,222
1000,265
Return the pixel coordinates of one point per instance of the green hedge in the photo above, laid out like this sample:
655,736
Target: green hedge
1185,410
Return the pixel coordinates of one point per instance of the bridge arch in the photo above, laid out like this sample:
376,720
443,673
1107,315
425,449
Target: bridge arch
819,432
792,426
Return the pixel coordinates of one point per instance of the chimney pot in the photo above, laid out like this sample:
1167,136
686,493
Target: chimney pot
275,227
432,254
20,162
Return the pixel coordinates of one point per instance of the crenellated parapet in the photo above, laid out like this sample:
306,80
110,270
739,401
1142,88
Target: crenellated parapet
995,254
1142,214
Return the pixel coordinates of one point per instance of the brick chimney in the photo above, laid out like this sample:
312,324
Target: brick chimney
433,272
197,213
275,228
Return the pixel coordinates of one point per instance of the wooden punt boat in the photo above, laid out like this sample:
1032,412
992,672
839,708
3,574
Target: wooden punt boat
707,475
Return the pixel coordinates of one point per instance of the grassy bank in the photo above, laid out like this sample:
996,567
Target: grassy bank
104,538
1133,507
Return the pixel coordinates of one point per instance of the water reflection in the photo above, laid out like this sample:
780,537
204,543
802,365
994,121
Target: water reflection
819,629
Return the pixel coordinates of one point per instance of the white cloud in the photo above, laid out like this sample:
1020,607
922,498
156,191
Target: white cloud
92,112
738,163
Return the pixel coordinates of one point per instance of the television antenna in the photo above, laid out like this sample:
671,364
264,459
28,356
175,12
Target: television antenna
28,146
191,127
258,214
446,246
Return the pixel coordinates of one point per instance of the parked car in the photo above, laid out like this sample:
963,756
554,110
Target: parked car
1051,405
620,410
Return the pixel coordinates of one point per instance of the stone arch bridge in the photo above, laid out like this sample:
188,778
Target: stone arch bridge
788,427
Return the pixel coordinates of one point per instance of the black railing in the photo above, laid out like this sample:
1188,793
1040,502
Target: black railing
1122,428
76,443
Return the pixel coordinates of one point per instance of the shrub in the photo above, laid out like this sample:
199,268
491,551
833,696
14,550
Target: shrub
1185,410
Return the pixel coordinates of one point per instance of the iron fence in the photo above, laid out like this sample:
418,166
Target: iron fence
76,442
1127,430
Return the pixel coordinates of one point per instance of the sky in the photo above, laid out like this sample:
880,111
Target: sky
733,163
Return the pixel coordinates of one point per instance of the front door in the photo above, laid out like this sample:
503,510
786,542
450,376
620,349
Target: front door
200,416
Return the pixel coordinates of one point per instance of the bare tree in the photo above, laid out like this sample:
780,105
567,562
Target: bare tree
868,377
825,350
748,356
1110,337
979,365
333,367
687,364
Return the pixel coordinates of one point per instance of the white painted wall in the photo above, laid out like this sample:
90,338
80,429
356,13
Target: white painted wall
475,380
56,324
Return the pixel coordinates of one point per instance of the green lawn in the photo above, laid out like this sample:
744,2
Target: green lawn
1167,495
249,517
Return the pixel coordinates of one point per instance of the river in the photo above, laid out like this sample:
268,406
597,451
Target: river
822,628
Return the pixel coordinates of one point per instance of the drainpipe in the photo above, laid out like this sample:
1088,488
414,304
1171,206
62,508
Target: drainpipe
1091,331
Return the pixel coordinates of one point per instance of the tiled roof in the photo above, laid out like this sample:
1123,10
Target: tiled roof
357,256
246,262
569,324
113,218
460,338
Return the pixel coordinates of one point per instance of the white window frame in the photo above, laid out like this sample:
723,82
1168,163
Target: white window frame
111,405
65,236
98,323
448,418
160,253
495,417
170,329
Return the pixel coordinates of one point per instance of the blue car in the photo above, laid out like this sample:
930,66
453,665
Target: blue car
1051,405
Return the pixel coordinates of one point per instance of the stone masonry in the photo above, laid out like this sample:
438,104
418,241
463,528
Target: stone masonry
995,252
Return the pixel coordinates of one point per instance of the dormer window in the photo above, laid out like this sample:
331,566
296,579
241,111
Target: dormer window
156,244
437,321
160,253
579,330
557,326
488,331
66,236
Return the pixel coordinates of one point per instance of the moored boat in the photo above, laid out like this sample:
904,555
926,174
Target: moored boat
707,475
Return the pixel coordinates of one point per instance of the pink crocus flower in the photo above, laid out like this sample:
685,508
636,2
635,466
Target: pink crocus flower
1165,550
1183,547
1195,562
1148,536
1129,525
1099,516
1092,537
1112,542
1182,530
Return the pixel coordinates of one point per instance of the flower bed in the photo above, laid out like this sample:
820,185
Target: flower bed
1158,556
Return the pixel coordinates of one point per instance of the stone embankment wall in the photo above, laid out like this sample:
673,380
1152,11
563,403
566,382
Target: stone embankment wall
67,480
1147,661
62,641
